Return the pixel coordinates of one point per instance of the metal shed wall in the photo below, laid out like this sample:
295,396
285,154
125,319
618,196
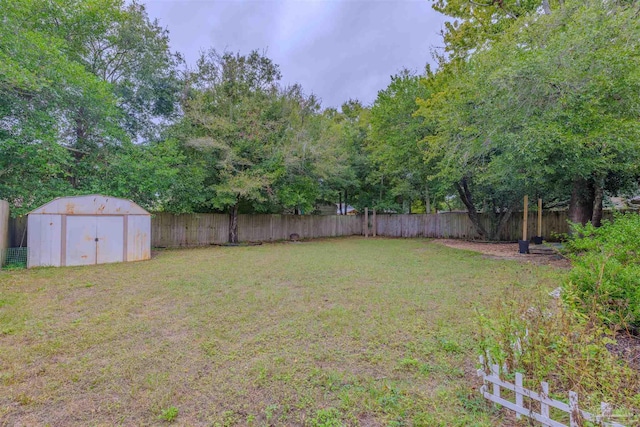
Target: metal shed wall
88,230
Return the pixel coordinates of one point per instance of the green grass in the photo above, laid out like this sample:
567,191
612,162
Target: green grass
324,333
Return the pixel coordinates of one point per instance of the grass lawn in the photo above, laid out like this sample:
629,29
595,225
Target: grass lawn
324,333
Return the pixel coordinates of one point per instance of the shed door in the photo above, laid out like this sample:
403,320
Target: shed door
94,239
110,235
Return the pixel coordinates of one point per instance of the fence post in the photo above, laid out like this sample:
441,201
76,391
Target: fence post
606,410
525,216
495,370
366,222
518,393
375,224
574,415
539,217
544,408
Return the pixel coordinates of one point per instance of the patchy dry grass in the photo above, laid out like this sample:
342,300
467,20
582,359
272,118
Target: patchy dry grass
324,333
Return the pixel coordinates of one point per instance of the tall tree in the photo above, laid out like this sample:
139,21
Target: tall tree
78,80
40,87
313,156
236,121
396,144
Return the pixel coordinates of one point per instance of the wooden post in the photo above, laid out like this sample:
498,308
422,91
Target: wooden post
539,217
375,224
495,371
544,408
366,222
575,417
518,392
525,217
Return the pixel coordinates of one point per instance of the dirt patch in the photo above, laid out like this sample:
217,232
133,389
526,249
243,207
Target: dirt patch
627,348
505,251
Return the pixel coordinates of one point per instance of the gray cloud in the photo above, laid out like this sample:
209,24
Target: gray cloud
335,49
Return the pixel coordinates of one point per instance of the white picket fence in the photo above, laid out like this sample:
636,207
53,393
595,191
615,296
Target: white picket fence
576,415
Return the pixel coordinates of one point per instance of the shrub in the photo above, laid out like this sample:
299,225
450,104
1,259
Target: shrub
605,279
547,340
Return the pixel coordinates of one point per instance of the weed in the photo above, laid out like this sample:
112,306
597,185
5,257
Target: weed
169,414
14,266
24,399
229,419
269,412
449,346
390,400
409,363
329,417
605,277
473,403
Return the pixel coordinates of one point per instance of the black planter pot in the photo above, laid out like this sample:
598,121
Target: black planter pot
523,245
537,240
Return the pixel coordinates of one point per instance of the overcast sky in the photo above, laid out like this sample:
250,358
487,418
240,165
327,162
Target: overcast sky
336,49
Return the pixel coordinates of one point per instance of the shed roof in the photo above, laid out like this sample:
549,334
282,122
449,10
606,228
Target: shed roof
94,204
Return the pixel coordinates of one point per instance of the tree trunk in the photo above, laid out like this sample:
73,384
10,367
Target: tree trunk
598,194
346,206
582,202
340,204
79,146
233,224
502,221
465,196
427,201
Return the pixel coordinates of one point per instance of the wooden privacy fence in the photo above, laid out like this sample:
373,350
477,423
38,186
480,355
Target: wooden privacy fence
538,405
456,225
170,230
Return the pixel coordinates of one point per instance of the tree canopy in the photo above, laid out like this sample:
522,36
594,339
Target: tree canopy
549,108
533,97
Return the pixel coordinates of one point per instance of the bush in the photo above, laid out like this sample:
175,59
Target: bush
605,279
547,340
565,340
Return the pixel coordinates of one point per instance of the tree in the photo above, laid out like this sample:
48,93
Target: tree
40,86
236,122
354,121
549,107
396,144
478,23
463,155
78,80
313,156
118,42
568,103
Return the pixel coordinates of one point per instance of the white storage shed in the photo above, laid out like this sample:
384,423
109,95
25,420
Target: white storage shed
87,230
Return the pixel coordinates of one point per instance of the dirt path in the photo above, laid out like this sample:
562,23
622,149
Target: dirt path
505,251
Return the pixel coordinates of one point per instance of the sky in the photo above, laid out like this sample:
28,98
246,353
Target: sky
336,49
